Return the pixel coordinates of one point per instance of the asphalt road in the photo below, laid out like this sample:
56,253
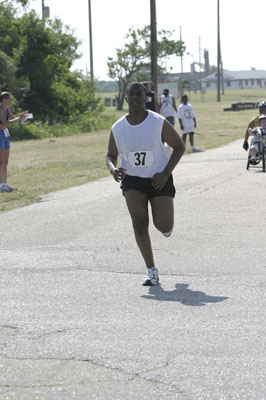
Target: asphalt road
76,322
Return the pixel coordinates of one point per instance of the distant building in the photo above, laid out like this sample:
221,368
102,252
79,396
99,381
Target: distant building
188,80
235,80
172,86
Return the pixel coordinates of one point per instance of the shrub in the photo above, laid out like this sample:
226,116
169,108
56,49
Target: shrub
90,121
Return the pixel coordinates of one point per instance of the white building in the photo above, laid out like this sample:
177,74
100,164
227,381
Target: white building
253,79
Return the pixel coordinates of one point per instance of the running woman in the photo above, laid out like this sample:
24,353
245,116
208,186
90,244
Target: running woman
143,140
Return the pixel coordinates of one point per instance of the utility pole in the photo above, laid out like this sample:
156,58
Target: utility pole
45,11
200,65
218,54
181,83
154,77
90,41
222,76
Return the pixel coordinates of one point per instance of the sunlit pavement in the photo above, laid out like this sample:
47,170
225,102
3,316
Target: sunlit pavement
76,322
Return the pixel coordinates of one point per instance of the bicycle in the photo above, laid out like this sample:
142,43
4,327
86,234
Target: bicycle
260,156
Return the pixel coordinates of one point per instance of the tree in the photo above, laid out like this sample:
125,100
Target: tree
80,93
135,55
24,3
7,70
35,61
47,55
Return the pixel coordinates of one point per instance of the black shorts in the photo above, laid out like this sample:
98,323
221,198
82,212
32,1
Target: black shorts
144,185
171,120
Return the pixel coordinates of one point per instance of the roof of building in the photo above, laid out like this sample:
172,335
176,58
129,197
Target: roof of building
237,75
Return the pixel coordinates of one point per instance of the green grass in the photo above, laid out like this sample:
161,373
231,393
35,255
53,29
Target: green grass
38,167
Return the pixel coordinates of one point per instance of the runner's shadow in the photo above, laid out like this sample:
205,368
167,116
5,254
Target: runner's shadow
182,294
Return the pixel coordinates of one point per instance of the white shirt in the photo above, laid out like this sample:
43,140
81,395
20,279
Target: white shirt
186,113
140,147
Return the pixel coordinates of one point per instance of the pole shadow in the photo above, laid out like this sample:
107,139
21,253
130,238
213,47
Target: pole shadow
182,295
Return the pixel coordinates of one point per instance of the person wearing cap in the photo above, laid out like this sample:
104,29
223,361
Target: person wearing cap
253,123
257,139
167,106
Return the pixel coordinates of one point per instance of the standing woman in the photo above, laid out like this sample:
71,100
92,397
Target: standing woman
6,119
143,140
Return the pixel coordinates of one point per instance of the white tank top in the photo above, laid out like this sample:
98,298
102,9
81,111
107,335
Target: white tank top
140,147
167,109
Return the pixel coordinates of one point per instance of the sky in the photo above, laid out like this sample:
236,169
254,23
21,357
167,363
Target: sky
242,29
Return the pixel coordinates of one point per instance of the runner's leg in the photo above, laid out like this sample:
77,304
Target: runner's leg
191,139
137,204
4,155
163,213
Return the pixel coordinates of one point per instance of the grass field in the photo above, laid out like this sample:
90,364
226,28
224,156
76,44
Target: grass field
37,167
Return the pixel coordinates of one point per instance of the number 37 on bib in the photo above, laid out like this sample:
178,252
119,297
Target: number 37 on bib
140,159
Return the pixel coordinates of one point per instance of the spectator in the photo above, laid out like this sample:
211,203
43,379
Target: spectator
152,101
167,106
6,119
187,121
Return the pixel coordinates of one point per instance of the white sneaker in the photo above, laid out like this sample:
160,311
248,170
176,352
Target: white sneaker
152,277
194,149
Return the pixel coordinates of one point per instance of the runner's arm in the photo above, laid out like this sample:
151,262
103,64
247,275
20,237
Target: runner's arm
171,137
250,125
156,103
180,123
174,104
10,114
4,123
159,106
111,160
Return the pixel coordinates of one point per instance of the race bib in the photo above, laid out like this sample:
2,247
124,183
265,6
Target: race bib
140,159
6,132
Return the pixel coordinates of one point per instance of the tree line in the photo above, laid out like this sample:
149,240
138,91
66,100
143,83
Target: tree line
36,57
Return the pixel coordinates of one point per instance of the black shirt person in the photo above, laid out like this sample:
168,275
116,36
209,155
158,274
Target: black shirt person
151,102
